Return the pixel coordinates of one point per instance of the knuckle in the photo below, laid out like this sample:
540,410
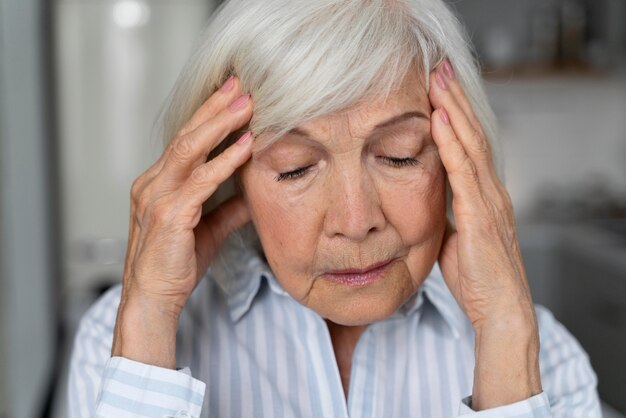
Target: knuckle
479,127
469,169
224,160
143,203
488,224
479,142
199,175
159,214
182,148
220,126
202,175
135,188
170,144
506,202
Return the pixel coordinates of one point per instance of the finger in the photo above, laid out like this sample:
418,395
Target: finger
226,94
472,138
207,177
229,91
447,71
191,150
215,226
462,173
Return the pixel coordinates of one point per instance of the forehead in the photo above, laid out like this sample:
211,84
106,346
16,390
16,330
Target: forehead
408,95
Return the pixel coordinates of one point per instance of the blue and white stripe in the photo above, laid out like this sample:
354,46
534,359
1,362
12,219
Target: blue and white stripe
254,351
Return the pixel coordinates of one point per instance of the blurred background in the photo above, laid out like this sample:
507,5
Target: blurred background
82,82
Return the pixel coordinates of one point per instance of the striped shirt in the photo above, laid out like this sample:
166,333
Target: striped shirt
250,350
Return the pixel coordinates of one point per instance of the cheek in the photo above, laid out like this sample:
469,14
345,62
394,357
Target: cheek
416,207
289,227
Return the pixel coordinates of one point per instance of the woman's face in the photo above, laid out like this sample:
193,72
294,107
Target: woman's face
350,207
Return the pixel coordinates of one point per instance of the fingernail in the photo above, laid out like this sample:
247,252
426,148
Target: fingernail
441,81
444,116
239,103
244,138
228,84
447,68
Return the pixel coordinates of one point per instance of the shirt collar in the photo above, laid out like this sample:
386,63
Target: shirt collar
241,280
443,301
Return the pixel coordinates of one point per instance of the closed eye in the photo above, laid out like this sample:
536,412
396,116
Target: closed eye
399,162
294,174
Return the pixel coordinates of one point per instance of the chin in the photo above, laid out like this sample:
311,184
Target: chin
363,305
361,313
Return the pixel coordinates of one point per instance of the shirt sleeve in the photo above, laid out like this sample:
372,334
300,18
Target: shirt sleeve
537,406
103,386
568,380
130,388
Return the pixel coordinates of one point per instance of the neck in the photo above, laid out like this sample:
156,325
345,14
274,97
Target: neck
345,332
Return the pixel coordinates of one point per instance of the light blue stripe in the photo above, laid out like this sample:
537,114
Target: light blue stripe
462,375
391,398
311,376
289,354
255,379
86,353
226,343
88,385
426,321
541,412
212,361
137,406
271,353
406,385
444,376
370,372
235,377
152,385
326,373
331,373
380,387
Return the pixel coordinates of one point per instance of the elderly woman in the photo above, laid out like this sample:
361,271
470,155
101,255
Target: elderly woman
290,253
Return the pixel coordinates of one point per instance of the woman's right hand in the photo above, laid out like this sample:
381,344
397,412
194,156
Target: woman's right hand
170,243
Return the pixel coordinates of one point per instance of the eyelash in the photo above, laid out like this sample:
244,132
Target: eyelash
394,162
400,162
294,174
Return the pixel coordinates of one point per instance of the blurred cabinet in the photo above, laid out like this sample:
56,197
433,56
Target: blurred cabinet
593,285
116,63
578,271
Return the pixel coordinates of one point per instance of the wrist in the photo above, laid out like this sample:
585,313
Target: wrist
507,361
520,322
145,331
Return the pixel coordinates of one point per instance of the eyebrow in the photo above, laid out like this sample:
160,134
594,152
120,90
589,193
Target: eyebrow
394,120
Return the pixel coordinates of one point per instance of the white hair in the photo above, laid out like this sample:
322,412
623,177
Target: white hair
301,59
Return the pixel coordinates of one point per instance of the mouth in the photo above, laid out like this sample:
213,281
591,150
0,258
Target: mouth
360,277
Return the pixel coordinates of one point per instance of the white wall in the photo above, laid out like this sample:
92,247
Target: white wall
107,103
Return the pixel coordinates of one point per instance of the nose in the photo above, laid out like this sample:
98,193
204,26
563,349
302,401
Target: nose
354,206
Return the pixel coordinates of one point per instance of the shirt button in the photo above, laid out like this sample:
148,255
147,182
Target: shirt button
182,414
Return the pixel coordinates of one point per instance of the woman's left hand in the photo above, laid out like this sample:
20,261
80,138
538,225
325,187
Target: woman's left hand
481,261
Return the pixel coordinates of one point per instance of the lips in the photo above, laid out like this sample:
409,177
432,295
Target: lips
359,277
